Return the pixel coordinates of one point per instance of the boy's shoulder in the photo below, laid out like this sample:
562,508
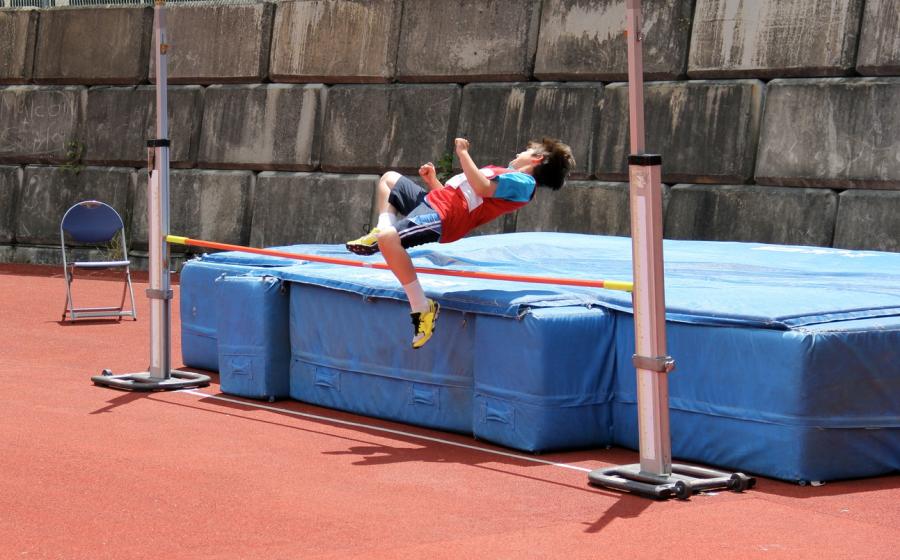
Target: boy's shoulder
513,185
494,171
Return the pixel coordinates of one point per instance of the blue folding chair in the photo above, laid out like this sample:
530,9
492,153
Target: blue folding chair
94,222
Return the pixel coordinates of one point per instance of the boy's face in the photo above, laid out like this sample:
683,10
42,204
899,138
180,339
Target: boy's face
525,158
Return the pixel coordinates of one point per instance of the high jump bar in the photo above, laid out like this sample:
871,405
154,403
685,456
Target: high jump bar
607,284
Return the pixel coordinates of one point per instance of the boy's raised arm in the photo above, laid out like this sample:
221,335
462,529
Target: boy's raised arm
429,175
480,184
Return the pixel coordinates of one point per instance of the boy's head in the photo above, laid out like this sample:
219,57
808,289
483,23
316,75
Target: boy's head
548,160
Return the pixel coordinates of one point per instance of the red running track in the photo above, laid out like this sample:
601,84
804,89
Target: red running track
94,473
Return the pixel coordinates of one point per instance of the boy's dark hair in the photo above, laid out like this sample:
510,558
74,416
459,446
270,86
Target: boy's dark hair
557,163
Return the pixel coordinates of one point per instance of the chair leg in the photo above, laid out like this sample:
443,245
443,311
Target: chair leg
131,291
69,308
124,293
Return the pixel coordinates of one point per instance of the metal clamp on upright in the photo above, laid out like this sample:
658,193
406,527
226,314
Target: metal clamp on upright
159,294
661,364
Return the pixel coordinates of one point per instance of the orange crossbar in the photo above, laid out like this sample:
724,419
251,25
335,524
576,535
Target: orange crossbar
608,284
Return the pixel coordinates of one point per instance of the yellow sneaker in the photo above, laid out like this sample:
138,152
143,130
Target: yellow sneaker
365,245
423,324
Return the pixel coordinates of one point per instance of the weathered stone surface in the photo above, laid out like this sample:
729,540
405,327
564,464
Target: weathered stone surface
215,44
36,123
107,45
18,33
580,207
879,42
840,132
120,120
140,260
868,220
10,179
774,38
335,41
47,192
462,41
752,213
275,127
585,40
203,204
291,208
379,127
499,119
706,131
52,256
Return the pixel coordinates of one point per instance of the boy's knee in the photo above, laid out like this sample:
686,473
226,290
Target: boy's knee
390,178
387,236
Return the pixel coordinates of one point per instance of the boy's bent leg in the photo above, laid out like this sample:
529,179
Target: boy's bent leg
424,311
386,184
395,195
368,243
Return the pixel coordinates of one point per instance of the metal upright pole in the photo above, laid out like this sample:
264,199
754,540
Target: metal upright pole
160,292
653,476
650,359
160,375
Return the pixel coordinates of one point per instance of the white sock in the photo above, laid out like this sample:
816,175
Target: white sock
417,300
386,220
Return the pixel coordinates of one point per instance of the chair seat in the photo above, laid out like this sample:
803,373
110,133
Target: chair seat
100,264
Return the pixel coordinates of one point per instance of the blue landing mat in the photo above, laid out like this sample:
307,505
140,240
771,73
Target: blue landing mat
713,283
802,381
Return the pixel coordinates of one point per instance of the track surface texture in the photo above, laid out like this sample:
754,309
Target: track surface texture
92,473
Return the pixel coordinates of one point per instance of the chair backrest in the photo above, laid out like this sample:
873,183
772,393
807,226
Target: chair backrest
91,221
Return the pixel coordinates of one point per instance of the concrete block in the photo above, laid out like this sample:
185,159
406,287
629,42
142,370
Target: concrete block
52,256
274,127
499,119
706,131
585,40
140,260
18,33
752,213
120,120
10,181
337,41
379,127
47,192
774,38
291,208
7,253
868,220
467,40
106,45
36,123
215,44
580,207
839,133
203,204
879,42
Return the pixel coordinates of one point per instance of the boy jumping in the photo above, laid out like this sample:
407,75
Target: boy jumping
410,215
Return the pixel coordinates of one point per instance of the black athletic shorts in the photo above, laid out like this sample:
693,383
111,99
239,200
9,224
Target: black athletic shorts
419,223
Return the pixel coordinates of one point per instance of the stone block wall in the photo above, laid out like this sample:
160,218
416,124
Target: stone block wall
778,121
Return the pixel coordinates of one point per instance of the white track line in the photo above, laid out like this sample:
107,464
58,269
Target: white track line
385,430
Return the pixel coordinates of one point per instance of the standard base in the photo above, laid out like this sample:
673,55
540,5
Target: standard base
146,382
684,481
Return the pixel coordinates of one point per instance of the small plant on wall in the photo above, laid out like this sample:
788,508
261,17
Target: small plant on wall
113,249
74,155
444,167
